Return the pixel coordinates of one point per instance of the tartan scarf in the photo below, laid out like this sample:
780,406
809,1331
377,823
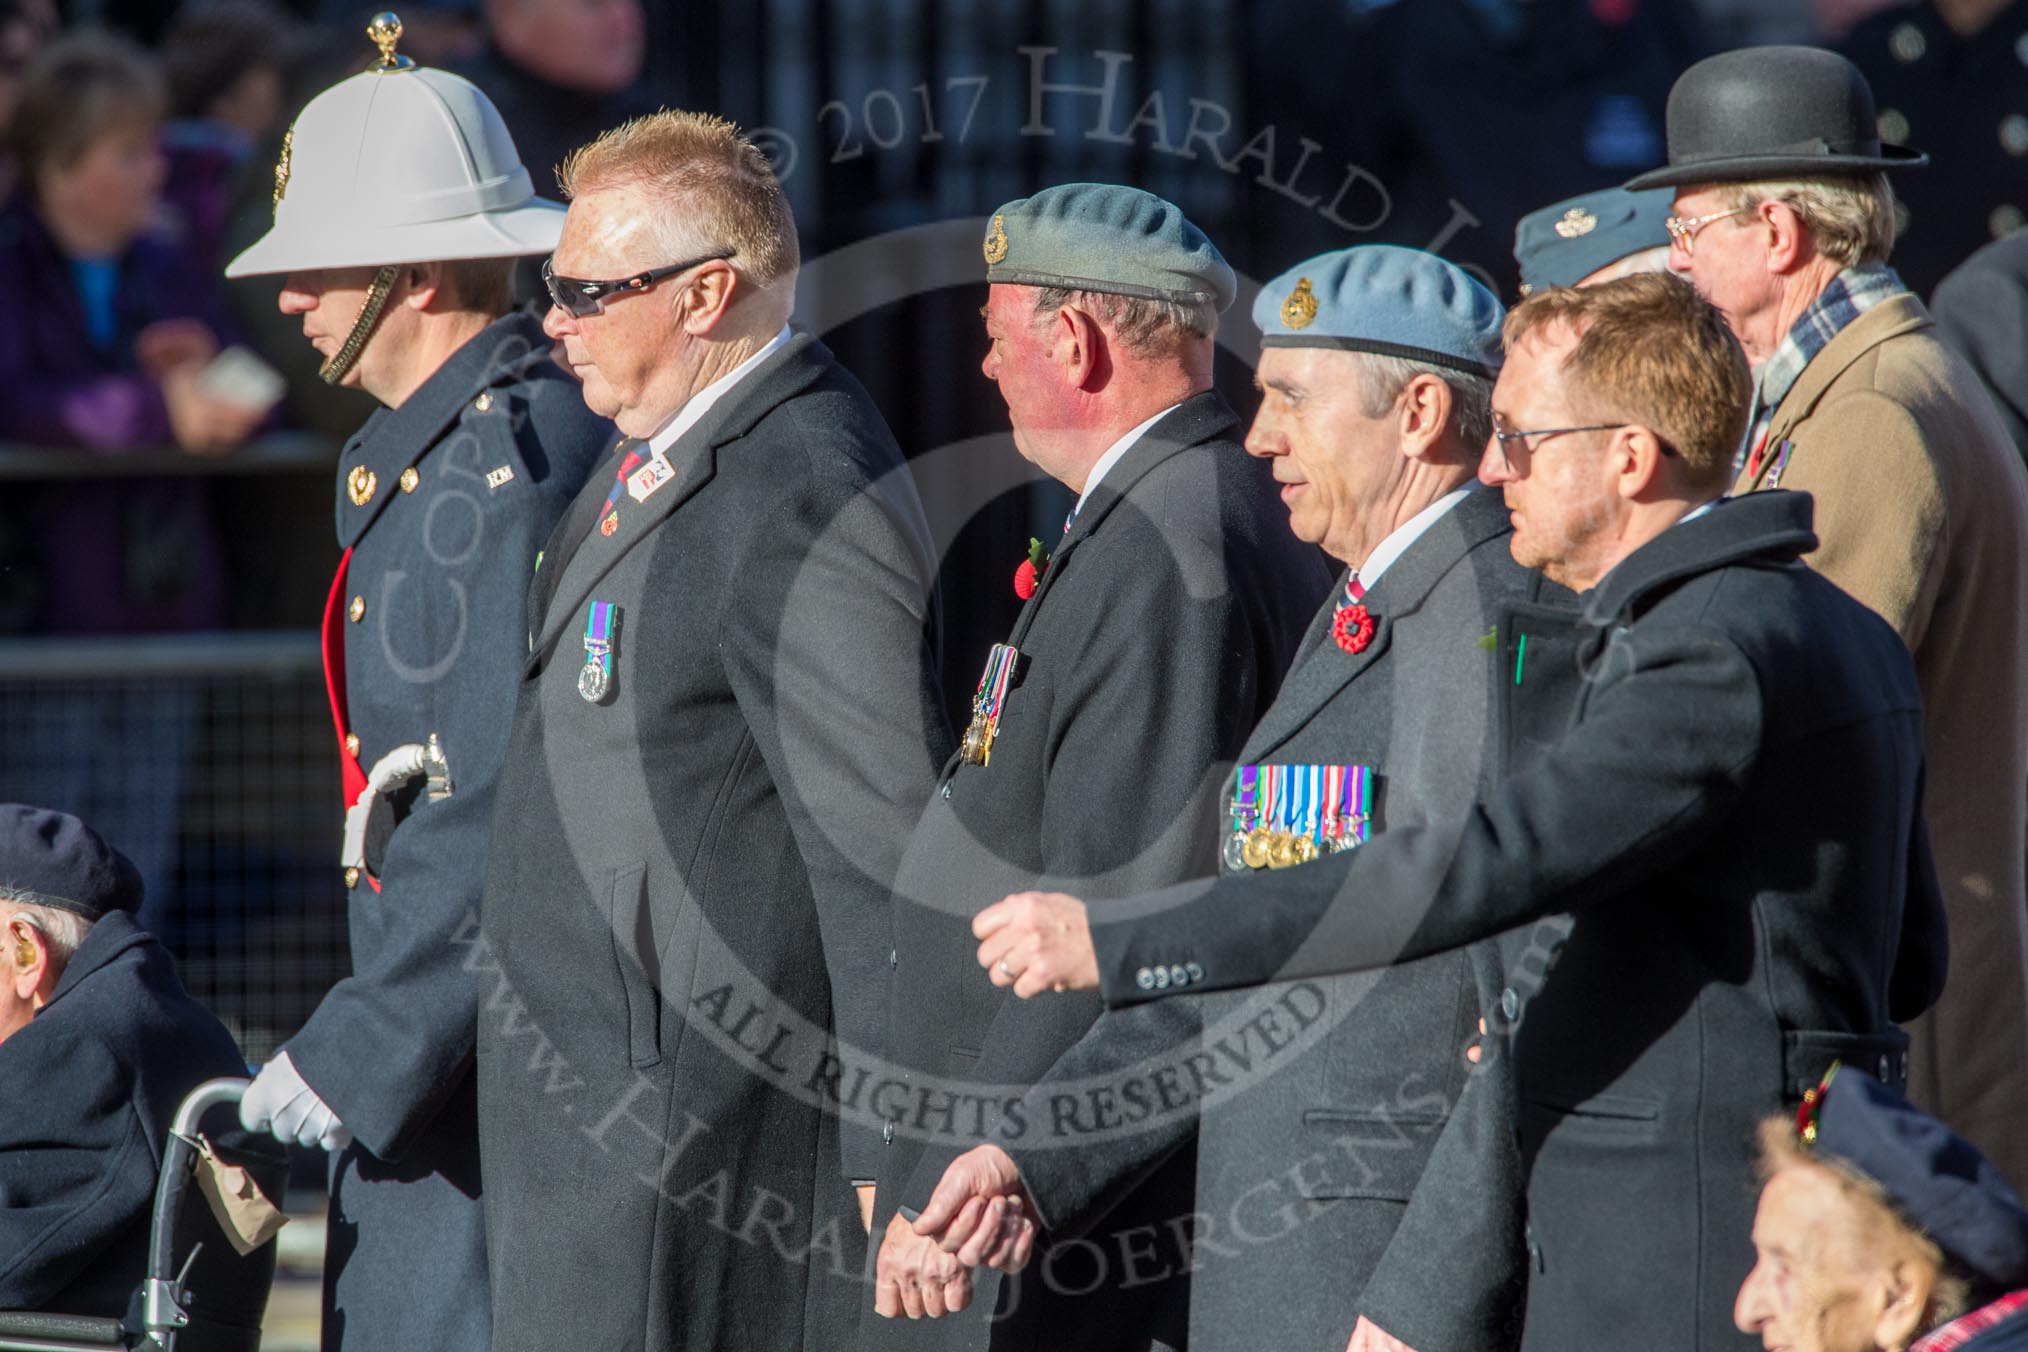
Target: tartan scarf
1963,1329
1851,293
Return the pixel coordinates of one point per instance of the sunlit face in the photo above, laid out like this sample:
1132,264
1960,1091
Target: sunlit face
593,46
1727,261
1021,358
1822,1277
329,301
112,189
1334,463
631,357
1557,488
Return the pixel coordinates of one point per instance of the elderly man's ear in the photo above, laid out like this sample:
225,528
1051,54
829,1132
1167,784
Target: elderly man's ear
1905,1304
702,301
27,960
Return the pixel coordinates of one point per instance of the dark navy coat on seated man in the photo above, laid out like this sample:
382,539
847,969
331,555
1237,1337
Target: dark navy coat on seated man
99,1042
1150,643
727,719
1339,1126
1717,770
444,499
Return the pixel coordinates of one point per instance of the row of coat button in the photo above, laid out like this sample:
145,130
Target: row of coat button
1162,978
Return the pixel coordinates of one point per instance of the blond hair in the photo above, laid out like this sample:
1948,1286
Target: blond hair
1878,1216
715,188
1850,217
1651,351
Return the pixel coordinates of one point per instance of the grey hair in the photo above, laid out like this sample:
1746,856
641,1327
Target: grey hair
1382,379
1850,216
63,931
1145,327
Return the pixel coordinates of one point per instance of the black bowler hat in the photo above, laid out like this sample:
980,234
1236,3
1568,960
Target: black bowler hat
1772,112
53,859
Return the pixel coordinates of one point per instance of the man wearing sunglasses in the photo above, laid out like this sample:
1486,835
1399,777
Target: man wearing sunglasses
398,267
728,720
1783,219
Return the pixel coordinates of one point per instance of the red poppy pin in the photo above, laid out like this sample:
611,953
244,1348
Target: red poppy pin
1029,574
1353,628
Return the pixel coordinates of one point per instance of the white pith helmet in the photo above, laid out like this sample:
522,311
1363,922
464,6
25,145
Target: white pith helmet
399,164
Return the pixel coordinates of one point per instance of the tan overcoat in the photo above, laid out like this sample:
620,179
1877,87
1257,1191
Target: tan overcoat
1922,511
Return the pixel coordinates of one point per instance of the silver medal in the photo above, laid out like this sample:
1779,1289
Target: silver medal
592,682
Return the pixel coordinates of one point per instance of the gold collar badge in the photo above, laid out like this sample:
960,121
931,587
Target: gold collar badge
1576,221
996,243
1301,306
359,485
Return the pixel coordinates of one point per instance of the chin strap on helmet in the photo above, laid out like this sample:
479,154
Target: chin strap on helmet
334,370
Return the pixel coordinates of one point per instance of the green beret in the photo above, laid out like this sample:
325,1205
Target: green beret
1105,237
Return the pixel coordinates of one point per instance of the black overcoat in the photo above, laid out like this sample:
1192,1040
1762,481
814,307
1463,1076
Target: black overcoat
688,888
87,1091
1156,640
1728,800
442,505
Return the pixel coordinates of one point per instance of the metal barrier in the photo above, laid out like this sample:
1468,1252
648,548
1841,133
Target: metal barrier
209,760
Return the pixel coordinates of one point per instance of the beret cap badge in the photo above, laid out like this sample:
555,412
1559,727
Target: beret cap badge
1576,223
1300,309
996,242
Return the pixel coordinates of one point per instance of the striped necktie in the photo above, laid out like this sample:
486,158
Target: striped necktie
630,460
1355,590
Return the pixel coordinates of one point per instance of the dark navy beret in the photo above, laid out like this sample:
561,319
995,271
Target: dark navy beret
1105,237
53,859
1937,1179
1563,244
1387,300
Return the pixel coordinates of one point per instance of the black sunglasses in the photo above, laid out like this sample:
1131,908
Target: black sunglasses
580,298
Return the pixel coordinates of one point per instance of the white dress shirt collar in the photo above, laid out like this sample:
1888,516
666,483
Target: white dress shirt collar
1401,537
700,403
1115,453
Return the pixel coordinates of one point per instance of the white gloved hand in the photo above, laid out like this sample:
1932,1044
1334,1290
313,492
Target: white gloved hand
278,1101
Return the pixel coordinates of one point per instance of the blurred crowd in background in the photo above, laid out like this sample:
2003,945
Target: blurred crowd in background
165,442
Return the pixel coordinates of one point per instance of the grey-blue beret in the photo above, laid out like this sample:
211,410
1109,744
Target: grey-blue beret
1562,245
1387,300
1105,237
53,859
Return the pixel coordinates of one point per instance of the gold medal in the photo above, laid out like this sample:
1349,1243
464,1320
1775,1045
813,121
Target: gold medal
1307,851
978,744
1282,853
1254,852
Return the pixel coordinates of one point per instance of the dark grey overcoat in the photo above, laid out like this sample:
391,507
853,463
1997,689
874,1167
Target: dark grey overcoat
688,886
1157,638
442,505
1731,808
1340,1129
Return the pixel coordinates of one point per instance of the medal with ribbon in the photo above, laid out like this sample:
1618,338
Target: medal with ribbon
597,677
986,704
1245,799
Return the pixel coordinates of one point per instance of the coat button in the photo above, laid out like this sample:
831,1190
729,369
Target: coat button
1196,973
484,403
1160,976
351,877
1145,979
409,479
887,1133
352,745
357,610
1510,1004
1178,977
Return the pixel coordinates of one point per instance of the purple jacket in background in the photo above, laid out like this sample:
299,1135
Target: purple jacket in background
108,555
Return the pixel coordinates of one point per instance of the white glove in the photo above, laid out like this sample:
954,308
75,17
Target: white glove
279,1101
